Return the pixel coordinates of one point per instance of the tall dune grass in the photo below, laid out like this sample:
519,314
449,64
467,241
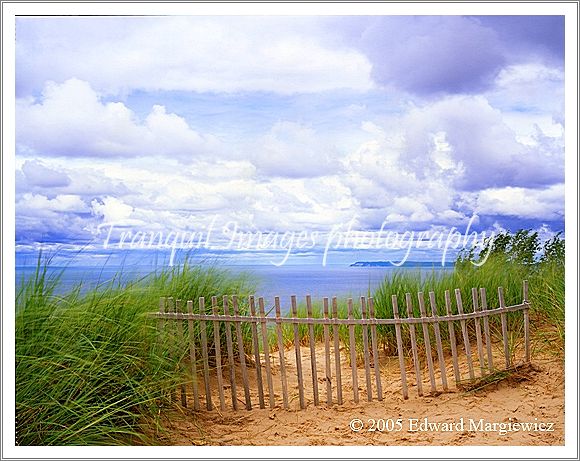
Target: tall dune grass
89,370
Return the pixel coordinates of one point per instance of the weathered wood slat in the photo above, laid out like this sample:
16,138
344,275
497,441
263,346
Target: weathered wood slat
327,366
312,351
437,330
180,343
337,364
192,357
256,347
218,354
486,330
266,348
375,351
365,334
526,325
230,347
400,351
281,353
452,340
298,354
504,329
205,355
242,355
352,347
427,340
466,342
412,333
478,338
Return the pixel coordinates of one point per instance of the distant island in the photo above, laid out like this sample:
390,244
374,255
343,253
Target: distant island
405,264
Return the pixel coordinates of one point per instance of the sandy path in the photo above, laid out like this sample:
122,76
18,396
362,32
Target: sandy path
539,398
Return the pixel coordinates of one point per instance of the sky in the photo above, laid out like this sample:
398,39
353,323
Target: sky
286,127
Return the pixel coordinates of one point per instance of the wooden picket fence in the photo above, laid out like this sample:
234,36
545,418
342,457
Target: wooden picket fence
209,363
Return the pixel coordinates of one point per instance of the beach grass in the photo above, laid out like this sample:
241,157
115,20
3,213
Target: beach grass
89,367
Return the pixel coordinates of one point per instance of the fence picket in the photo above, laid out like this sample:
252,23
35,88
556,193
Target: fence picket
375,350
474,296
418,377
365,334
427,340
526,324
218,353
437,330
312,350
230,346
180,343
486,330
466,342
327,367
337,364
352,348
400,352
256,348
266,347
504,329
452,340
242,355
192,356
298,354
204,353
281,353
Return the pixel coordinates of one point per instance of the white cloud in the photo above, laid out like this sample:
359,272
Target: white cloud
226,54
41,204
113,210
543,204
72,120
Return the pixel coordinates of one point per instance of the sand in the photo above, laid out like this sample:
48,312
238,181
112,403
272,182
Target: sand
534,395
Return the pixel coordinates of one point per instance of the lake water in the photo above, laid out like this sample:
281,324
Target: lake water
283,281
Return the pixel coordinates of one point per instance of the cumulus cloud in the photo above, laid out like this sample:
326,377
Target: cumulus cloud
40,204
483,149
72,120
225,54
542,204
